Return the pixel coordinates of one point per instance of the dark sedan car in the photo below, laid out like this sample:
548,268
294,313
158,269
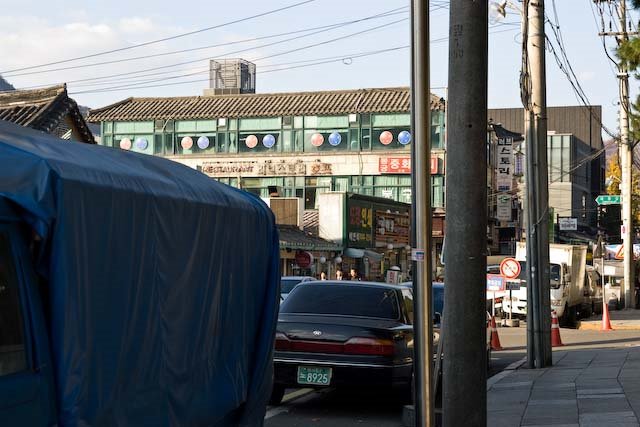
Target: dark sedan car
356,334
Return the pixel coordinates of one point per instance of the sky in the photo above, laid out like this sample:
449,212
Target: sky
36,32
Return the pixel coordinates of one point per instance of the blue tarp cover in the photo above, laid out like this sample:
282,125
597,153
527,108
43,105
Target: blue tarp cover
163,284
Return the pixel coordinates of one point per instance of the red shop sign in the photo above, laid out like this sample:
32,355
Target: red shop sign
402,165
304,259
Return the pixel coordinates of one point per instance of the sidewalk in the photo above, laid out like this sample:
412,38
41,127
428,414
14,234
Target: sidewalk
584,388
620,320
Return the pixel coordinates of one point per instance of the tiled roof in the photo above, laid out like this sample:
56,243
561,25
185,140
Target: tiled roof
43,109
381,100
294,238
311,221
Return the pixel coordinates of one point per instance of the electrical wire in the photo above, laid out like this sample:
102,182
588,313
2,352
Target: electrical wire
236,21
321,29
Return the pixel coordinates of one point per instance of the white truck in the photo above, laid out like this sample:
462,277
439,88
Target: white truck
570,294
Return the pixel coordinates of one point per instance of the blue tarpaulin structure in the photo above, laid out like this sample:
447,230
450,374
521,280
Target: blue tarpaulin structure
162,284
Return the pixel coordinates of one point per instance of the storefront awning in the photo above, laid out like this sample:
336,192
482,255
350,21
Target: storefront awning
292,237
360,253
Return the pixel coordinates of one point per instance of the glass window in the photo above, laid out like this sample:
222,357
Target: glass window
437,191
366,139
408,303
437,129
158,146
298,141
391,120
168,144
107,140
134,127
287,142
341,183
260,124
12,350
108,127
332,140
262,141
387,139
354,139
313,188
298,122
195,143
233,124
343,300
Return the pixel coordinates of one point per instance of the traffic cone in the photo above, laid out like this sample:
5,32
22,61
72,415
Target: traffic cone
555,331
606,322
495,339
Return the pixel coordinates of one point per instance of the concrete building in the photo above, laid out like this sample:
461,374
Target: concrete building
574,134
298,144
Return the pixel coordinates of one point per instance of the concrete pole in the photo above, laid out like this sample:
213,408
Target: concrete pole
421,150
626,160
540,222
464,327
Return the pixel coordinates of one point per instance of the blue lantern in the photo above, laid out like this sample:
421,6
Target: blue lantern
142,143
203,142
404,137
335,138
269,141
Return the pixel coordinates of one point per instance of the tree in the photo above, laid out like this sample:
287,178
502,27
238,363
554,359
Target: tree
629,55
613,174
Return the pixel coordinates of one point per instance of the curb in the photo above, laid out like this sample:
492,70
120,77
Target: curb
408,411
596,326
505,372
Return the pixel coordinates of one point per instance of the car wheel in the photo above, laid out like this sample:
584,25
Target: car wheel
277,393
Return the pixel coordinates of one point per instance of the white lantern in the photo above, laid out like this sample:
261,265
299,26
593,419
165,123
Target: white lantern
338,259
390,246
323,260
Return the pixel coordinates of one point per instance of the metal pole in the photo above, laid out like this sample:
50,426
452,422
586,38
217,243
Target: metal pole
465,340
421,120
536,51
626,159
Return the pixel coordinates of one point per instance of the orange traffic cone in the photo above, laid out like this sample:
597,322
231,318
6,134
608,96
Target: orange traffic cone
606,322
555,331
495,339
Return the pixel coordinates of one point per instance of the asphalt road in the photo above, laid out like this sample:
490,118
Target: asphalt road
336,408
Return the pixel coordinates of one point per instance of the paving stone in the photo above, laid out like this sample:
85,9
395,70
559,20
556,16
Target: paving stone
602,396
566,413
547,395
608,419
510,385
613,390
587,406
552,402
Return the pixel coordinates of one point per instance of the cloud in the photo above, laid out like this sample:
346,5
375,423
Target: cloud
136,25
586,76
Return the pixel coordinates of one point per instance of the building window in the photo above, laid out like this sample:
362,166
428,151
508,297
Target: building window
313,188
437,191
437,129
260,141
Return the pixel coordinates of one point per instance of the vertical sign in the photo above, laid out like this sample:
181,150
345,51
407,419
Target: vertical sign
504,207
504,179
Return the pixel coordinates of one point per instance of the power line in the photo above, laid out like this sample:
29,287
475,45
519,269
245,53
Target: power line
315,62
236,21
391,12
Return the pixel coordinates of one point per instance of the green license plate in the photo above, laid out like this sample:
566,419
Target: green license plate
314,376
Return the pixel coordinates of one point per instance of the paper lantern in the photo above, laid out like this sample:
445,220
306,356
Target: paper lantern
404,137
142,143
251,141
269,141
203,142
186,143
335,138
386,138
125,144
317,139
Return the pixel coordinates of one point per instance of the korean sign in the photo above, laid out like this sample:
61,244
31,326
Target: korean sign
504,168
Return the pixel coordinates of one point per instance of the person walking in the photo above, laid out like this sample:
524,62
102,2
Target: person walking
323,275
339,274
353,274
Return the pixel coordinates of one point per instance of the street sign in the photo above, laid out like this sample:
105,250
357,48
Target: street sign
513,285
510,268
568,224
495,282
609,199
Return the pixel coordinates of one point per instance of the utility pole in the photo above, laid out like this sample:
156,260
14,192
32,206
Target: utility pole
625,150
626,160
421,181
464,326
538,288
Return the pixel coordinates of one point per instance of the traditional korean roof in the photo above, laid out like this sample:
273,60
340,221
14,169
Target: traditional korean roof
294,238
379,100
45,110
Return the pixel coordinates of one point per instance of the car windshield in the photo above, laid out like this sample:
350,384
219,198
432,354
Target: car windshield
287,284
554,276
358,300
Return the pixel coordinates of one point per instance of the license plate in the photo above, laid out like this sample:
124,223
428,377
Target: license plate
314,376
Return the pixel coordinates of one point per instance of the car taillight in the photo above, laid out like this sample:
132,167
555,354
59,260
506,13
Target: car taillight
282,342
317,347
369,346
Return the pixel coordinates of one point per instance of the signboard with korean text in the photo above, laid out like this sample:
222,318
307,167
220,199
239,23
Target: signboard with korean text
503,211
359,223
392,227
504,167
402,165
495,282
568,224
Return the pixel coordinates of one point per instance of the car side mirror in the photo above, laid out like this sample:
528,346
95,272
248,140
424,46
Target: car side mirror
437,317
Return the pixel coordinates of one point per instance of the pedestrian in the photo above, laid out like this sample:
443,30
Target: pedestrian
353,274
339,274
323,275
